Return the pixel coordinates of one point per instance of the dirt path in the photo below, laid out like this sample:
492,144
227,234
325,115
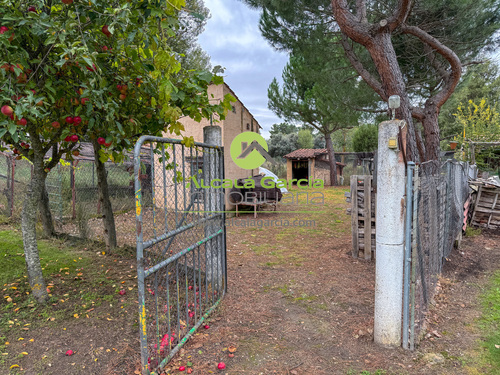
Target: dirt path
298,303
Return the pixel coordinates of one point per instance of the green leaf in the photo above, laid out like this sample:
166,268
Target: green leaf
12,128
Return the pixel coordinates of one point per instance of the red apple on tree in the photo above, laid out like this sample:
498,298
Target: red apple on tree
22,122
101,140
107,144
3,29
69,120
105,31
77,120
74,138
123,96
67,2
31,9
7,110
56,125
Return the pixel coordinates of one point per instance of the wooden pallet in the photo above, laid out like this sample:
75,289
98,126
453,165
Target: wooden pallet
487,208
362,213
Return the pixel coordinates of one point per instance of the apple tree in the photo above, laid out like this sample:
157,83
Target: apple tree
87,70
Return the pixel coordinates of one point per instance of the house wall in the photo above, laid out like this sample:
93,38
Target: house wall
288,169
236,122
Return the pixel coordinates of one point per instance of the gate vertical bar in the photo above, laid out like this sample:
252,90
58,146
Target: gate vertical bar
414,250
406,283
224,236
140,257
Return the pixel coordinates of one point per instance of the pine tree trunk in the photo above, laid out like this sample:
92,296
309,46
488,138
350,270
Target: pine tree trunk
431,131
28,224
384,57
331,160
46,214
105,203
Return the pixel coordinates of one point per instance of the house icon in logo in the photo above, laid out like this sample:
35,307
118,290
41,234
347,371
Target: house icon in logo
249,150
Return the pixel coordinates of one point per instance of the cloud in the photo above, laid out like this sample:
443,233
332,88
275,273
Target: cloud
233,40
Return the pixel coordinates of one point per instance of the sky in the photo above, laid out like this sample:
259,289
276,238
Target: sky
233,40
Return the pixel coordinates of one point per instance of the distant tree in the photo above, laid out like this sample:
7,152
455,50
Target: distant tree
306,96
192,21
342,140
365,138
283,128
319,141
480,81
305,139
282,144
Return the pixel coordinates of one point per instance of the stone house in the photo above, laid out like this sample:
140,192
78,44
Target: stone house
238,120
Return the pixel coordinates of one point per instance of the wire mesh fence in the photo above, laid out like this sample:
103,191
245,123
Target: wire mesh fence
181,256
73,192
439,194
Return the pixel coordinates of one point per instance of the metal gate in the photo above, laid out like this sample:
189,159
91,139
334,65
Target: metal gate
181,245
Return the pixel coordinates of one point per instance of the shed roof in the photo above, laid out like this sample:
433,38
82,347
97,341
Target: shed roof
306,153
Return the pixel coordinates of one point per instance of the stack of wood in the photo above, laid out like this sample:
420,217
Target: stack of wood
487,205
362,198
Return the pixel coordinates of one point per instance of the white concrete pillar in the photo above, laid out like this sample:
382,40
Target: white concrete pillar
390,236
212,135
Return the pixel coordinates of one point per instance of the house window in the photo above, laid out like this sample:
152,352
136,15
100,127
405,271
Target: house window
233,108
248,126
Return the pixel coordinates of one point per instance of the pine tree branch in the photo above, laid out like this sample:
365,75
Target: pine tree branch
358,66
453,76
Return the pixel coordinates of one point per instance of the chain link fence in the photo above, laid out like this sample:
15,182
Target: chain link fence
439,194
73,192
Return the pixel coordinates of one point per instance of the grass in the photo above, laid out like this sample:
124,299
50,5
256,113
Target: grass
53,257
75,280
490,323
471,232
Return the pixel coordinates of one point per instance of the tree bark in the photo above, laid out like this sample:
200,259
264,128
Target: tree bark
46,214
28,224
105,203
431,131
384,57
331,159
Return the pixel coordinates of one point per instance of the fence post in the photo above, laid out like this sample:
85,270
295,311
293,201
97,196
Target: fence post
212,135
389,242
407,259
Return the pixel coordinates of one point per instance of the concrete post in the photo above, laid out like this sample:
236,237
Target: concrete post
390,236
212,135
